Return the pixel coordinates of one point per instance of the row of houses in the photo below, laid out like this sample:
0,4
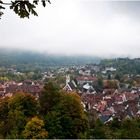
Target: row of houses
107,104
28,86
110,103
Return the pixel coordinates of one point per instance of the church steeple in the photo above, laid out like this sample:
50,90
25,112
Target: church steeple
67,79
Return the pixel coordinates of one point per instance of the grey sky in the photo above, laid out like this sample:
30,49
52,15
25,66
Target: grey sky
101,28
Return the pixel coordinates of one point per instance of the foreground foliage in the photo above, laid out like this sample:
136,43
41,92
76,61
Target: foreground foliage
55,115
126,129
34,129
67,119
58,115
23,8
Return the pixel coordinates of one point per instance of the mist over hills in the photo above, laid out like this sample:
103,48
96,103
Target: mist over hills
9,57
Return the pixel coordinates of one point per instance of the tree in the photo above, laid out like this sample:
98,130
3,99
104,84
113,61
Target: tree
34,129
117,77
115,128
130,129
111,84
109,76
22,8
49,98
99,131
98,85
15,112
16,123
63,113
24,102
67,119
3,117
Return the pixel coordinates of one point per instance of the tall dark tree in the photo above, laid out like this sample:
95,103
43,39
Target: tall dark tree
4,117
130,129
98,131
49,98
67,120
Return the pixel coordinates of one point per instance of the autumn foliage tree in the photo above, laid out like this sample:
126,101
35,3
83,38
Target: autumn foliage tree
14,113
34,129
63,113
55,114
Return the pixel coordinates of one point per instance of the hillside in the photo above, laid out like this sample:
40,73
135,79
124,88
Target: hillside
22,58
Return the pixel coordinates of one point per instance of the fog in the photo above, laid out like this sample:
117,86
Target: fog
76,27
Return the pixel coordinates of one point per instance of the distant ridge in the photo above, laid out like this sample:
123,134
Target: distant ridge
9,57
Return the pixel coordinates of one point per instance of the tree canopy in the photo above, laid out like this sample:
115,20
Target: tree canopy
14,114
34,129
23,8
63,113
56,114
67,119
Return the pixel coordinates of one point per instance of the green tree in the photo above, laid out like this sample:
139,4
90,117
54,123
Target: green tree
130,129
34,129
117,77
99,131
16,123
98,85
20,108
115,128
4,117
24,102
49,98
109,76
67,119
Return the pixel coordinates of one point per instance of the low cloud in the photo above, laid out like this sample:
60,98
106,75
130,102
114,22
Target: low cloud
74,27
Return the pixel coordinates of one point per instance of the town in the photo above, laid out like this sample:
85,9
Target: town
105,88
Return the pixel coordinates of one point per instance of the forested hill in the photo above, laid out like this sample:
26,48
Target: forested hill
9,57
123,65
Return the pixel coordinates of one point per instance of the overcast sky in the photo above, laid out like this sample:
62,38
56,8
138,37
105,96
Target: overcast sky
75,27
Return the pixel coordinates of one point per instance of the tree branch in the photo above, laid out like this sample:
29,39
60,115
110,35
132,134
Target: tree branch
6,3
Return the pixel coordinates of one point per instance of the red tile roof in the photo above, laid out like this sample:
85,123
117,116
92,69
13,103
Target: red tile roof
86,78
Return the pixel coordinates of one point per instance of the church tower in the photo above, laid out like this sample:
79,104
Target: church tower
67,79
